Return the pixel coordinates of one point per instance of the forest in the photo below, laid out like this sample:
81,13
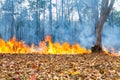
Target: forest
59,40
72,21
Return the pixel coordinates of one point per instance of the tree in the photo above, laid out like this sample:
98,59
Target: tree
12,23
8,7
38,7
40,10
50,16
106,7
38,19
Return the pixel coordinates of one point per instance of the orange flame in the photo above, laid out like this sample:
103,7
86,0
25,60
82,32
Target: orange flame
44,47
111,53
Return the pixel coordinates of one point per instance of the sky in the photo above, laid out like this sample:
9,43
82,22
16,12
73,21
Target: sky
117,5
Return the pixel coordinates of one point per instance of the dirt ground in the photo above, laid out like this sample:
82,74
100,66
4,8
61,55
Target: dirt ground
59,67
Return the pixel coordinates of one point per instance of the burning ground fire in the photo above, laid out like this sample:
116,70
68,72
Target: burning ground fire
45,47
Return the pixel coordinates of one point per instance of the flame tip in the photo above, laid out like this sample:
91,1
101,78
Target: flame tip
44,47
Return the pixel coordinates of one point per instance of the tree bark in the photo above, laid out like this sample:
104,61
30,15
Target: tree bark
12,23
104,14
50,16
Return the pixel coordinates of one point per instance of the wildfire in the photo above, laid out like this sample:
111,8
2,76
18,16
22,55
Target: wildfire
44,47
111,53
14,46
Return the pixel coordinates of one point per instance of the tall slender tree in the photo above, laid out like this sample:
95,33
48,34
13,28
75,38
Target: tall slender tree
38,19
106,7
40,4
50,15
12,23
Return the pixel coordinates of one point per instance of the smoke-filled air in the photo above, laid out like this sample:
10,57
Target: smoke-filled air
87,23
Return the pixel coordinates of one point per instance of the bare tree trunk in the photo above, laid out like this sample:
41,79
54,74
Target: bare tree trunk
43,27
98,45
50,16
78,10
106,8
12,23
39,28
62,10
57,12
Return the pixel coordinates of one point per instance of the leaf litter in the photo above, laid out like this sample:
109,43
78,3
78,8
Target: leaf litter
59,67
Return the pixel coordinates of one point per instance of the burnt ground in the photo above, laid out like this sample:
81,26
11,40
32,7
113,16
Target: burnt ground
59,67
